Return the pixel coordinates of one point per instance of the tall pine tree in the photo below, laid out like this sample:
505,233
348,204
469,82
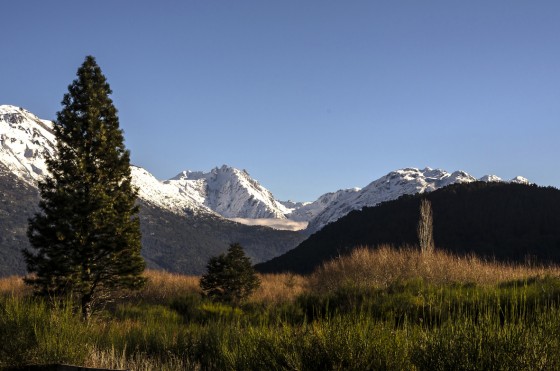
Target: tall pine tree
87,234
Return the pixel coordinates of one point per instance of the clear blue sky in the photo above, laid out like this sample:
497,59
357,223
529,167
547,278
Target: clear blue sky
308,96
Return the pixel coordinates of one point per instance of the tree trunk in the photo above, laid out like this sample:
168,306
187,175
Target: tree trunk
425,228
86,307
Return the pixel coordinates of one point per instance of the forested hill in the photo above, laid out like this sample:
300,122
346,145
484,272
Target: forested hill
508,222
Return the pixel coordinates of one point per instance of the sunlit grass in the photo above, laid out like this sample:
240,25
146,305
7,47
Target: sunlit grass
384,266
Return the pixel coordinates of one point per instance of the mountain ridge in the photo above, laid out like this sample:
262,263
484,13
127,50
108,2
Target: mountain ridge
406,181
26,141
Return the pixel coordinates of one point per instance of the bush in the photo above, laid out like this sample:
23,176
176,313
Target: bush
231,278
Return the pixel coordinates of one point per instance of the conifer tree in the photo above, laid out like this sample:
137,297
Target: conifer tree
230,277
86,236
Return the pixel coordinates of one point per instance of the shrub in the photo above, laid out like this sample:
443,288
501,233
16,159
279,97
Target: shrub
231,278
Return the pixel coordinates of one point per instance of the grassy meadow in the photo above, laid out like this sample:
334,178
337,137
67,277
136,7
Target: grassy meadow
383,309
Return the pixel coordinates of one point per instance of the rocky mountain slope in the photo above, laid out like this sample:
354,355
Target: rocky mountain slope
25,143
229,192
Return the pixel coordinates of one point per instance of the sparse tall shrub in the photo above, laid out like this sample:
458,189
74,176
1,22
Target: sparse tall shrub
230,277
425,227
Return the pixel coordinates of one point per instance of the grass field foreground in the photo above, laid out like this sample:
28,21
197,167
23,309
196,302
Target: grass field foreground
384,309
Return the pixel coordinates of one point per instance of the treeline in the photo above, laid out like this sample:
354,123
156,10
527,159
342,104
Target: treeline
506,222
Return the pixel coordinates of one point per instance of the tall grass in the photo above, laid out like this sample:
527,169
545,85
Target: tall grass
484,338
279,288
385,266
13,285
164,286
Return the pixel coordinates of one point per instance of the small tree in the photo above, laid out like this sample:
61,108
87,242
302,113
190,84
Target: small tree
87,235
425,227
230,277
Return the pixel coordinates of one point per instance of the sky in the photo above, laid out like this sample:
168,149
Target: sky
309,96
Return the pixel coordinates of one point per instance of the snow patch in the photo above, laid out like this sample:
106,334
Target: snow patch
281,224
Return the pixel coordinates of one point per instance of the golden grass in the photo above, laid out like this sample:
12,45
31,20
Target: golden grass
385,265
274,288
162,286
364,267
13,285
278,288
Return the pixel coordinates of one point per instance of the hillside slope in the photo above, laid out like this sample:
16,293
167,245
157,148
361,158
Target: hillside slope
18,201
172,242
508,222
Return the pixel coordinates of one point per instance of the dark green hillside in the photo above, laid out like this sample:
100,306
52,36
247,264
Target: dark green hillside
508,222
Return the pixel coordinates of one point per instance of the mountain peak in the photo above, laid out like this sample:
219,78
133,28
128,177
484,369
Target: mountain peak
520,180
490,178
231,192
25,143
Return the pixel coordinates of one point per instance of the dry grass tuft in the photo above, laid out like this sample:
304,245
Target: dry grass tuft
385,265
162,286
278,288
14,285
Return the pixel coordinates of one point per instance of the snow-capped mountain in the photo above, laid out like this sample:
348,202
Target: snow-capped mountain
230,192
390,187
167,196
26,142
520,180
306,211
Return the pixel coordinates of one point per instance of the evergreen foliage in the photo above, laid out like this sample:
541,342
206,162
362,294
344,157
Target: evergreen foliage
230,277
87,234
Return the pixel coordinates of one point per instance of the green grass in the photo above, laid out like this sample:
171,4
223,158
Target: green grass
412,325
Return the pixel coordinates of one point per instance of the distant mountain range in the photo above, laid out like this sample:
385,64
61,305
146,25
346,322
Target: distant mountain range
224,194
